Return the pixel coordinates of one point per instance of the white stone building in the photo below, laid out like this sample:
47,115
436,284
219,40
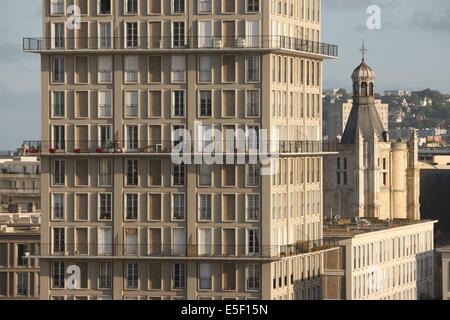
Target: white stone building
383,260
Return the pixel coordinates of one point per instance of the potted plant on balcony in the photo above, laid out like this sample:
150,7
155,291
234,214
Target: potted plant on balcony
77,150
100,150
52,150
111,147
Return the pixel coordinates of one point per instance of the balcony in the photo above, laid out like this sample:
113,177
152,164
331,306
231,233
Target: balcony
186,252
202,43
167,147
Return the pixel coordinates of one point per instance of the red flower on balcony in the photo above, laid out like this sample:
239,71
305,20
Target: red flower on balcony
100,150
77,150
52,150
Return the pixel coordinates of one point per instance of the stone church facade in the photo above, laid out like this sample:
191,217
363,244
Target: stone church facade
371,176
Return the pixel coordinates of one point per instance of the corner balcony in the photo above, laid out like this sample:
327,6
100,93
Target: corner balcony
167,147
261,44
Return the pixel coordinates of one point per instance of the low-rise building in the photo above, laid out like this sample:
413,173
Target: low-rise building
19,241
20,183
380,260
444,268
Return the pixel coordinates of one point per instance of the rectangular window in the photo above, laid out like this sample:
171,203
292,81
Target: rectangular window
253,103
132,170
253,68
229,6
132,275
105,275
178,69
205,245
58,206
59,140
58,35
155,104
179,276
105,206
253,175
104,241
81,206
58,70
178,6
205,175
131,241
131,104
105,104
131,206
131,6
59,241
131,34
179,103
178,175
154,276
252,6
104,7
58,275
253,241
132,135
105,35
205,69
22,260
229,68
81,241
22,284
154,6
105,173
205,34
59,173
58,104
253,277
154,69
155,241
105,69
205,276
205,103
229,207
205,207
131,69
154,207
178,34
253,206
57,7
229,277
204,6
178,206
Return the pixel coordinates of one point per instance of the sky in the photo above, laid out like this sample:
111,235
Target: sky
410,51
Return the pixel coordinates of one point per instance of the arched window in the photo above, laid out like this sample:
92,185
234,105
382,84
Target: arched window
371,89
364,89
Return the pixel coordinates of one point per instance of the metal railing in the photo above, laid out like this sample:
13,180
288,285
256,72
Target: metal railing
188,251
168,147
188,42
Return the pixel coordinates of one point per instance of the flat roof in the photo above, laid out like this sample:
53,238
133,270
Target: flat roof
347,228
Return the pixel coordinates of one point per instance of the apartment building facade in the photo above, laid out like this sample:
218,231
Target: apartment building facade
20,183
383,260
19,273
115,91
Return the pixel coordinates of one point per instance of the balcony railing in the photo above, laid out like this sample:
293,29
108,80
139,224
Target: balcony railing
157,250
167,147
188,42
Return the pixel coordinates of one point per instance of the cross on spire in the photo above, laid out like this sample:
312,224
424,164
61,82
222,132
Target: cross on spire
363,50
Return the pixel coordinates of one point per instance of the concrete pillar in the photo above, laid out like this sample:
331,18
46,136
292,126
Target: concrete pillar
399,154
